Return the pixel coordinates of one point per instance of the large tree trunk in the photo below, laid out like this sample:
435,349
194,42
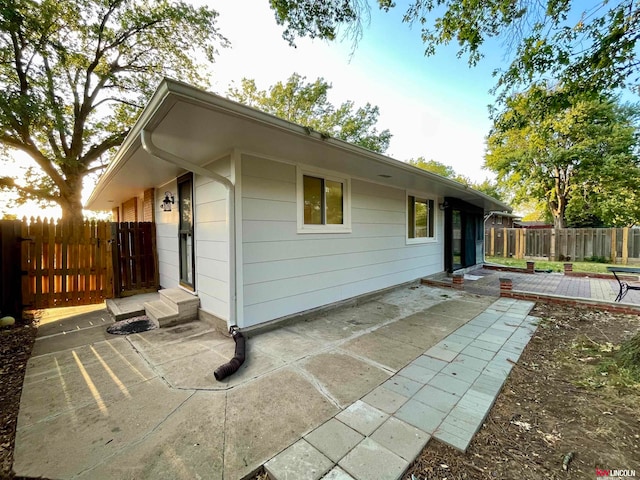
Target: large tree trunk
71,203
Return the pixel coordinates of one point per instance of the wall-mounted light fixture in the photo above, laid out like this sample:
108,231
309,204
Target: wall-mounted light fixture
444,205
167,202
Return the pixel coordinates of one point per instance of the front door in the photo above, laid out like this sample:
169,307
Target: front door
185,231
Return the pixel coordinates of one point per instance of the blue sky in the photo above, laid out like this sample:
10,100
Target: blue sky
435,107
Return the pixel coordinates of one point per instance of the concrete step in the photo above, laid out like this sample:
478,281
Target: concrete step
186,303
161,312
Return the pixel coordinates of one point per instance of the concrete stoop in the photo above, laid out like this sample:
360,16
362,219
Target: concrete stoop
174,306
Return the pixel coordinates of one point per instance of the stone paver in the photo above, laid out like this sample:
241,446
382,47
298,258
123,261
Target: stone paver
301,461
337,473
334,439
371,461
385,399
402,385
362,417
401,438
420,415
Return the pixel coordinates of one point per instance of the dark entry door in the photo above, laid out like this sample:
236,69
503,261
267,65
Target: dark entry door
461,224
185,231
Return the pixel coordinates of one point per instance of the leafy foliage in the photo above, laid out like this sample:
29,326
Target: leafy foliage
585,44
575,152
74,75
487,186
307,104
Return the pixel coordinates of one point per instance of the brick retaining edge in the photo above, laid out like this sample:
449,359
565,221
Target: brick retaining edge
574,302
510,269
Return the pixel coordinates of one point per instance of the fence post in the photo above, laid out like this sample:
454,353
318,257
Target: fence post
493,242
505,251
552,245
625,245
614,247
10,284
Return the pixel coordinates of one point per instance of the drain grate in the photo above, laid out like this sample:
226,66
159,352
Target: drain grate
132,325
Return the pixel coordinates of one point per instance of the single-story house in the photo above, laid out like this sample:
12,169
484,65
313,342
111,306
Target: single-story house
500,219
272,218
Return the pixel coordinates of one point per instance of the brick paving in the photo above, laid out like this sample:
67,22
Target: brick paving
551,284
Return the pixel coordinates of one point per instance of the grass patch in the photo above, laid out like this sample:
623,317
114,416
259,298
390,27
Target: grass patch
589,267
607,364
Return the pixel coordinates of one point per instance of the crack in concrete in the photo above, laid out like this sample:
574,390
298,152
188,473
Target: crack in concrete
318,386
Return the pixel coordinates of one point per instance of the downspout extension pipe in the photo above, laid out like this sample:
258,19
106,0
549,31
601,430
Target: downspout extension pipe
232,366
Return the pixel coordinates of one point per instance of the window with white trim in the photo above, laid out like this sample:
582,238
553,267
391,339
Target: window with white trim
420,219
323,203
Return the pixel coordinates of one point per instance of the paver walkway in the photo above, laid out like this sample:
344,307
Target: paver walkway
486,282
445,393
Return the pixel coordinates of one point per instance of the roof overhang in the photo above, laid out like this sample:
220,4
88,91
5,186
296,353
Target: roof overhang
201,127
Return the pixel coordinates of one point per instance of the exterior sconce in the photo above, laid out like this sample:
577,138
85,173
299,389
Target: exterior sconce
167,202
444,205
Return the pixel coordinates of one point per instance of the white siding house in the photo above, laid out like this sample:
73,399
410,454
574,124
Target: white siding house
272,219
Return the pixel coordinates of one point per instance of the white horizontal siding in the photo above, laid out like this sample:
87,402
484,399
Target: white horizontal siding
285,272
167,238
212,241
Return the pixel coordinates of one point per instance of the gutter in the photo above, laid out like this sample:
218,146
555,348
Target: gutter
155,151
206,99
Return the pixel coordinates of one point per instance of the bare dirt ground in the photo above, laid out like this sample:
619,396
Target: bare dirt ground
565,399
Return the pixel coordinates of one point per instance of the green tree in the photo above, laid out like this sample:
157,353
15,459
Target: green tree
570,151
487,186
307,104
585,44
434,167
74,74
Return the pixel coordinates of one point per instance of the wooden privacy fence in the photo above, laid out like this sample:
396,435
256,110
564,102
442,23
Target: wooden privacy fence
53,264
616,245
134,258
64,263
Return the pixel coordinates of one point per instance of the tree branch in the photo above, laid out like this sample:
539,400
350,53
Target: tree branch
97,150
37,156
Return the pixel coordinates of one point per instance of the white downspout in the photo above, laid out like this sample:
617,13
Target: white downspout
152,149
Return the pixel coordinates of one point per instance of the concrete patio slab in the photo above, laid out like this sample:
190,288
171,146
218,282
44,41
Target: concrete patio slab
88,434
147,405
73,339
88,379
383,349
286,345
267,415
188,444
69,319
344,377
